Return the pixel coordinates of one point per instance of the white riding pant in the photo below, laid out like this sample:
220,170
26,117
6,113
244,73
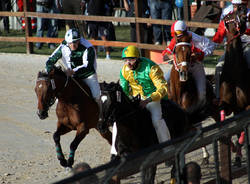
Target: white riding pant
198,73
92,82
159,124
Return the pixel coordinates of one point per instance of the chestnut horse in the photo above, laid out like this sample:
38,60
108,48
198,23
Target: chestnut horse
183,89
234,80
75,110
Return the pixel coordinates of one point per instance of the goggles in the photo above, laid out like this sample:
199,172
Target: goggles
179,33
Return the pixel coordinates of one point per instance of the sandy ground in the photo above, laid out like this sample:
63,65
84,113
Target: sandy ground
27,153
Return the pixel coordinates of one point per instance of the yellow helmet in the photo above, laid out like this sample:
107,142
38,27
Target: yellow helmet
130,52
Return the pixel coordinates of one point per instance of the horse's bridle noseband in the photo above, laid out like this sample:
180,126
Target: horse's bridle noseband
183,63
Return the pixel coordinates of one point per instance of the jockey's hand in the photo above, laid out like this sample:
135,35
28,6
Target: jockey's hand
168,57
69,72
143,103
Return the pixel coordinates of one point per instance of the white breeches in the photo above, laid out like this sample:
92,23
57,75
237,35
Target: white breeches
198,73
94,86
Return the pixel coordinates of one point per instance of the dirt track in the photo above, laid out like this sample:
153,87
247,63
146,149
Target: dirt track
27,153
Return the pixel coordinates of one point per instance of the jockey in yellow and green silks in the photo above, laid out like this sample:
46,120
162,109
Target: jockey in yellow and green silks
142,76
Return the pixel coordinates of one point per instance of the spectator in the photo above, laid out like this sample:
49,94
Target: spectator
179,5
98,29
74,7
6,6
147,29
82,167
31,7
161,10
192,173
46,6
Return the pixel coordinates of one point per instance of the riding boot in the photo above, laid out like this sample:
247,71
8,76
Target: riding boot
102,127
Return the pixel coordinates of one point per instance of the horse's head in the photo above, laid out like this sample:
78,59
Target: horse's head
115,102
182,51
46,90
235,24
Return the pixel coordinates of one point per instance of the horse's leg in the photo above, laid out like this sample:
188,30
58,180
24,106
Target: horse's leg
61,130
205,160
148,175
107,135
81,132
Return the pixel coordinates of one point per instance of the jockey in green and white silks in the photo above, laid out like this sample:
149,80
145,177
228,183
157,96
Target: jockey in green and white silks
79,58
142,76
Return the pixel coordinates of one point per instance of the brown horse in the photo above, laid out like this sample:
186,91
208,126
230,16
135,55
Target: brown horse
75,110
234,80
183,89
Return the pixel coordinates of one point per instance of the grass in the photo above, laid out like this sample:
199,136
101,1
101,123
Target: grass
122,34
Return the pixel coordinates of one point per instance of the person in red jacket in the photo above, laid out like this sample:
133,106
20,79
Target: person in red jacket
202,46
31,8
220,36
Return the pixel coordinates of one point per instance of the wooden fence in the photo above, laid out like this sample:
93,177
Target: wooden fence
29,39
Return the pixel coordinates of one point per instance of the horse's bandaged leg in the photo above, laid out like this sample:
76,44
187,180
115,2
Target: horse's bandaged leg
114,133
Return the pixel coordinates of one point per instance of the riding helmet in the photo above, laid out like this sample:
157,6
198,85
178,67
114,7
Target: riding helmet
72,35
130,52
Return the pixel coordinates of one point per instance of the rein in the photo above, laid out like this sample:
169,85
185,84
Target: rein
183,63
236,23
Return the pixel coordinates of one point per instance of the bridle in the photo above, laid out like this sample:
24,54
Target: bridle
177,65
55,93
183,75
236,22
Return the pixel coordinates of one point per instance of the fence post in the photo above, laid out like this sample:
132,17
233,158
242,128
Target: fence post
28,30
186,9
246,129
225,156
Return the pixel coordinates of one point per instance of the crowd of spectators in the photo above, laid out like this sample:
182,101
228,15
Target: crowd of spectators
153,34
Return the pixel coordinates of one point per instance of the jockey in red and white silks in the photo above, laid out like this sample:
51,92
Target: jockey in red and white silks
201,46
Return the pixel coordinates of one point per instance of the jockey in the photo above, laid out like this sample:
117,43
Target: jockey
141,76
79,58
237,5
202,46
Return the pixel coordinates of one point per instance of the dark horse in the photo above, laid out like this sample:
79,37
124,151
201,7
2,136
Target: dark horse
183,89
234,84
135,130
75,110
234,80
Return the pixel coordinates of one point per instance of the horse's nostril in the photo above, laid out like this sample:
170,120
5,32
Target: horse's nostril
42,114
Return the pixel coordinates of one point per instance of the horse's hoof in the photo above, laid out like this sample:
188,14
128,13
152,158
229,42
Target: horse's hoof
70,162
237,161
205,161
63,163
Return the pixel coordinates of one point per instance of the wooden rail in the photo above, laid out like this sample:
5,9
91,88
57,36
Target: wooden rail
29,39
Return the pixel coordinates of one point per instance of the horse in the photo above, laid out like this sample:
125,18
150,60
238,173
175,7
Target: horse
183,90
135,130
75,110
234,85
